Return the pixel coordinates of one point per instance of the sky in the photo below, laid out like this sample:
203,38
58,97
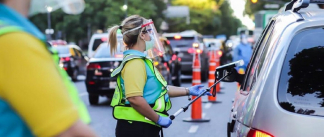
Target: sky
238,6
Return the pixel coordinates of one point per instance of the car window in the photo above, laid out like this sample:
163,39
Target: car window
103,51
96,43
301,83
62,50
181,42
255,64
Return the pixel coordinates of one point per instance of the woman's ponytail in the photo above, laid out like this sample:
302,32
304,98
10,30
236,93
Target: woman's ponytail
112,39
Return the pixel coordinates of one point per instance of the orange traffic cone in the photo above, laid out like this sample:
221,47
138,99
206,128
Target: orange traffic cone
211,78
196,110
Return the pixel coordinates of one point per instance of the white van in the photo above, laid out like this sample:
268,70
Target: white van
97,39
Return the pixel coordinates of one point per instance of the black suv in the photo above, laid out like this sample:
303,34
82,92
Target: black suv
186,43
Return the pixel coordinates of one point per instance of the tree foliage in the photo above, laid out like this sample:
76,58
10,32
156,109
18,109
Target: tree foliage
206,17
251,8
99,14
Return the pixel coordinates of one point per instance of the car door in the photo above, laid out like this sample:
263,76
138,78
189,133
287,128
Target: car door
250,77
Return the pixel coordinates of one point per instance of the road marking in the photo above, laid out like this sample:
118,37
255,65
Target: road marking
83,94
208,105
203,115
193,129
81,77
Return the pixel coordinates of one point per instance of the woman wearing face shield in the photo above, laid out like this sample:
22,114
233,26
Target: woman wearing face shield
141,98
34,101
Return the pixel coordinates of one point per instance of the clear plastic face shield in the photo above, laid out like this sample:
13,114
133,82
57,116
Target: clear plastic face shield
153,45
44,6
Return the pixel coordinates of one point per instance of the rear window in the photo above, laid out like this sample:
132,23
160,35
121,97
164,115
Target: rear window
96,44
182,42
301,84
103,51
62,50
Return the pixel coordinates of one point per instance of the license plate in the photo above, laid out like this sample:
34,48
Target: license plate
180,55
112,84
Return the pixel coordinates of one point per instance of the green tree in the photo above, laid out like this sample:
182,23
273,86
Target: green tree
251,8
99,14
207,17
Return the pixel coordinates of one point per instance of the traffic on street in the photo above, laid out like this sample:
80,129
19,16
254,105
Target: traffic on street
161,68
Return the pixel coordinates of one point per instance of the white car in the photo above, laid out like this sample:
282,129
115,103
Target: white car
97,39
282,93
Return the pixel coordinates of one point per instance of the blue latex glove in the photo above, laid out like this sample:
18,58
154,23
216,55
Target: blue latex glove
164,121
197,90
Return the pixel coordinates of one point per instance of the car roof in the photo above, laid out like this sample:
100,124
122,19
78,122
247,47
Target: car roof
187,33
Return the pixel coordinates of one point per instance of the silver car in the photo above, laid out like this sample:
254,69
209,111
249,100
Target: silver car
282,93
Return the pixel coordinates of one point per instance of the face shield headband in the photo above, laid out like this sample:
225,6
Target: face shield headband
142,26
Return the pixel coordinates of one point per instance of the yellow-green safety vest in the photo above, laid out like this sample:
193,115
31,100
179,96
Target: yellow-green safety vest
126,112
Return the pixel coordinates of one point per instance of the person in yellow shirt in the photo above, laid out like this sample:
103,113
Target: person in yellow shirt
34,100
141,99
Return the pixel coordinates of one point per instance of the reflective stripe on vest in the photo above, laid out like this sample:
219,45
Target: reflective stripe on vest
123,112
4,28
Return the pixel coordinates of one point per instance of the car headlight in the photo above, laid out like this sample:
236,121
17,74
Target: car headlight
116,64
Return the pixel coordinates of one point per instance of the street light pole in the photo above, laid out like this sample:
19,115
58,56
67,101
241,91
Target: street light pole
125,7
49,10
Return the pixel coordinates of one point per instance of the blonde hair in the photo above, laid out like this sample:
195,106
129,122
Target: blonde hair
130,38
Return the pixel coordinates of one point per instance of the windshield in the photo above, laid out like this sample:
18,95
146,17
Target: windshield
182,42
62,50
103,51
301,83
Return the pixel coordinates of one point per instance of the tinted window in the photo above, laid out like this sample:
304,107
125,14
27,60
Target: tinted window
103,51
257,59
183,42
62,50
96,44
301,84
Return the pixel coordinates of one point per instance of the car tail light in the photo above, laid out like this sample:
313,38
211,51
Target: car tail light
177,37
168,42
91,82
93,66
199,51
118,55
160,54
174,57
191,50
104,39
195,45
65,59
219,53
257,133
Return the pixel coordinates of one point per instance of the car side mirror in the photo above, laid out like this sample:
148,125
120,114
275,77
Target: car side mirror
233,77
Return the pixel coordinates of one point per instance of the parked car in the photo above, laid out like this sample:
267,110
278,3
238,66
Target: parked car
98,80
172,62
186,43
72,60
282,93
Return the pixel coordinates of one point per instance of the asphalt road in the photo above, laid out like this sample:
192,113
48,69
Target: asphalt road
104,124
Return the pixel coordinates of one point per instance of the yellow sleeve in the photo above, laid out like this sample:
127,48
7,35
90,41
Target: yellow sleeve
32,85
134,76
